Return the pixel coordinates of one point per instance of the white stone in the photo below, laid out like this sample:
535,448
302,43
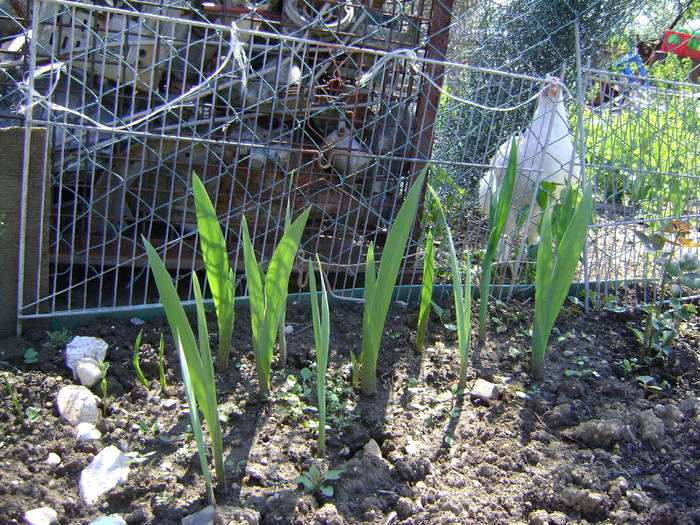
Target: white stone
203,517
136,321
106,470
53,459
88,371
77,405
41,516
289,329
372,449
87,432
114,519
485,390
81,347
169,403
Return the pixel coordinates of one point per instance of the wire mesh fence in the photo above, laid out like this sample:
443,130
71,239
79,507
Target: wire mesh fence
338,105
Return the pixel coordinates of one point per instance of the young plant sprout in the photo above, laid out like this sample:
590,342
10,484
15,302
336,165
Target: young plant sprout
676,271
322,330
196,425
281,332
426,295
198,361
499,209
12,394
267,302
554,273
314,481
219,274
161,367
379,286
135,360
462,292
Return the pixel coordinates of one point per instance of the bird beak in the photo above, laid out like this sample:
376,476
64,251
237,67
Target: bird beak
553,91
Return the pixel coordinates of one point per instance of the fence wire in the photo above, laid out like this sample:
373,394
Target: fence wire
337,105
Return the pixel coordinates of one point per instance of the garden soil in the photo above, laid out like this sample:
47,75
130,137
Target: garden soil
587,443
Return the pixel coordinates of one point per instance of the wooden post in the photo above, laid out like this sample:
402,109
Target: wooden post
36,244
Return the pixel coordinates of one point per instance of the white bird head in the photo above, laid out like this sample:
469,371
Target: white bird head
552,90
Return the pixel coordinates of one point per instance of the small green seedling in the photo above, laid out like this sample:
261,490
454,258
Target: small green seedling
220,277
32,413
267,293
315,482
322,330
663,324
556,266
379,284
12,394
195,358
104,366
499,209
161,367
145,428
462,293
135,360
59,338
426,295
628,366
647,383
31,356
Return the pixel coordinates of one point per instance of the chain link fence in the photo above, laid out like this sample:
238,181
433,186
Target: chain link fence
286,104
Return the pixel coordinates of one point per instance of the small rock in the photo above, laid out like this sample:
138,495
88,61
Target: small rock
236,516
483,389
571,388
558,518
87,432
256,474
652,429
559,416
76,404
618,488
638,500
669,414
88,371
539,517
53,459
689,406
169,403
353,436
136,321
109,468
114,519
598,433
412,468
592,503
487,471
372,449
203,517
81,347
289,329
142,514
412,448
222,515
329,515
405,508
531,456
41,516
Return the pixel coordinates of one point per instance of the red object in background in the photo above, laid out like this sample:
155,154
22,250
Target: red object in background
681,43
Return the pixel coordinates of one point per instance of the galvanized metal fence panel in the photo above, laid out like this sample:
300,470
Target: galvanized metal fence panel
337,106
